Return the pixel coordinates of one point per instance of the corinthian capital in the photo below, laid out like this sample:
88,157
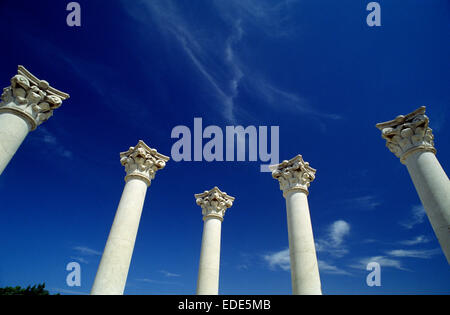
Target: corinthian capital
407,134
142,162
295,174
214,203
31,98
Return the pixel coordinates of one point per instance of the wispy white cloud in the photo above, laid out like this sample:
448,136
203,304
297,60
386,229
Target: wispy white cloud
80,259
411,253
242,267
50,143
273,18
421,239
417,217
369,241
169,274
226,99
246,260
367,202
332,246
152,281
338,230
279,98
237,73
395,258
333,242
280,259
216,57
325,267
83,250
384,261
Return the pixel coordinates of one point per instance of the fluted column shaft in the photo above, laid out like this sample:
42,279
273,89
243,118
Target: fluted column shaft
411,139
25,104
141,164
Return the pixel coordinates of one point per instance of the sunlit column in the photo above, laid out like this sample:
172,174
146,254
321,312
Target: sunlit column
25,104
141,164
295,177
410,139
214,203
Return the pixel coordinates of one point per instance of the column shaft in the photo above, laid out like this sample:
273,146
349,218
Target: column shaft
113,270
433,188
13,130
141,164
208,274
304,268
214,204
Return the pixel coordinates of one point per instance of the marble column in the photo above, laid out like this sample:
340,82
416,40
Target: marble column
25,104
214,203
411,139
141,164
295,177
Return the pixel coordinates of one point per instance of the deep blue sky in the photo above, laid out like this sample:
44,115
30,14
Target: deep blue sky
136,69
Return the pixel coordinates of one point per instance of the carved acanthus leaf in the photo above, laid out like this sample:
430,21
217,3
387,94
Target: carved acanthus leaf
142,161
31,98
295,174
214,203
407,134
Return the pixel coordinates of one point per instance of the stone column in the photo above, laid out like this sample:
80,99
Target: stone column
214,203
25,104
294,177
410,139
141,164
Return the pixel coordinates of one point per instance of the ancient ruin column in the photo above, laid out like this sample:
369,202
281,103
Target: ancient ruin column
295,177
25,105
214,203
410,139
141,164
